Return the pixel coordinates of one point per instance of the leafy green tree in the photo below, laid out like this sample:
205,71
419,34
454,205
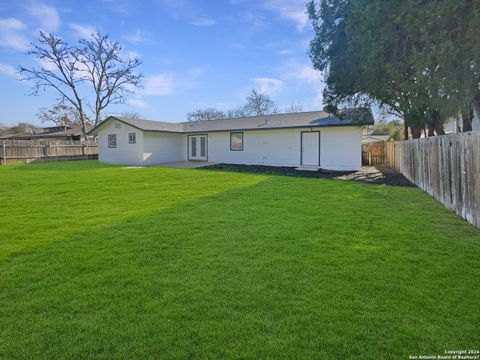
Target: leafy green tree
403,55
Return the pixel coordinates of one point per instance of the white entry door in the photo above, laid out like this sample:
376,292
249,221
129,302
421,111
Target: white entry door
197,147
311,148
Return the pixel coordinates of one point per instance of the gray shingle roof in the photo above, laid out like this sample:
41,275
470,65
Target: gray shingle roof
151,125
277,121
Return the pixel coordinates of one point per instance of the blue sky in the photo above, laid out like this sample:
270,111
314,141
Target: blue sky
195,54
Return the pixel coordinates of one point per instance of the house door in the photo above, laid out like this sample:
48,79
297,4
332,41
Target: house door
197,147
310,144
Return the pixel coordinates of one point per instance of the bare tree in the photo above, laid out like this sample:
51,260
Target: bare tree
96,61
61,115
131,115
60,70
259,103
294,108
205,115
3,129
104,67
236,112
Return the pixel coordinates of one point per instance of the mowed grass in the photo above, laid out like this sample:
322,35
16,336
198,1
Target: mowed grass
103,262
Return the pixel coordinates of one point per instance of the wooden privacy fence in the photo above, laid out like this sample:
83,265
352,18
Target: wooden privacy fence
373,153
14,151
446,167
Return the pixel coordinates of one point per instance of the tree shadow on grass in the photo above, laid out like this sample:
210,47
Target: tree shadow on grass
279,269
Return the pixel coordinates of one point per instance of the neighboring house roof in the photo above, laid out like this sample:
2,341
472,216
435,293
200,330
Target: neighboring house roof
277,121
374,138
75,131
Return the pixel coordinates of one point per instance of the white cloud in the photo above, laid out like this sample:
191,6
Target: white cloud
203,22
129,55
11,36
300,71
47,64
158,85
82,31
137,102
310,75
318,98
164,84
292,10
269,85
305,80
46,15
11,24
136,38
284,52
8,70
121,7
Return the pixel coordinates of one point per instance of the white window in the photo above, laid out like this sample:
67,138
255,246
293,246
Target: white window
132,138
236,141
112,140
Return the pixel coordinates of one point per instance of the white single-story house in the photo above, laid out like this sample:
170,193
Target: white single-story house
368,139
455,124
307,139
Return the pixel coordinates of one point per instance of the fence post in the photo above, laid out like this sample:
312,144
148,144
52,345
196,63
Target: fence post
84,152
4,153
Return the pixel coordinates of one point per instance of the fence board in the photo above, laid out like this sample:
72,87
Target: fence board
373,153
26,151
446,167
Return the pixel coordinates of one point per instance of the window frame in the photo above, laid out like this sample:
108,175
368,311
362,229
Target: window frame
134,138
242,140
114,136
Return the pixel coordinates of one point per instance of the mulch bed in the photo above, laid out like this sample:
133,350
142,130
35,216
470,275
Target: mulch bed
380,175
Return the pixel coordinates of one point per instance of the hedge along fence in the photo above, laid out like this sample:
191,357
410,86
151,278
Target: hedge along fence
14,151
446,167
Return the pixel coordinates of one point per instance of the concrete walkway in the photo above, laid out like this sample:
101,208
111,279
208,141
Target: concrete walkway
187,164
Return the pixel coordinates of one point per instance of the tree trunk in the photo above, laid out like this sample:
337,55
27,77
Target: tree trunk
476,103
416,132
82,120
406,124
431,129
439,128
436,123
467,117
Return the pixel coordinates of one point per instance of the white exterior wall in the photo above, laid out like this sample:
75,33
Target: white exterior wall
340,148
269,147
454,124
124,153
163,147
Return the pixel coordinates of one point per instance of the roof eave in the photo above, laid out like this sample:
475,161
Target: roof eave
274,128
95,129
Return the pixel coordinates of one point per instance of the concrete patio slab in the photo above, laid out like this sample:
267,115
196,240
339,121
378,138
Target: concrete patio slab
187,164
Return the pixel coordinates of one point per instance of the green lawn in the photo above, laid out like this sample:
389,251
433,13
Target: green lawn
103,262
